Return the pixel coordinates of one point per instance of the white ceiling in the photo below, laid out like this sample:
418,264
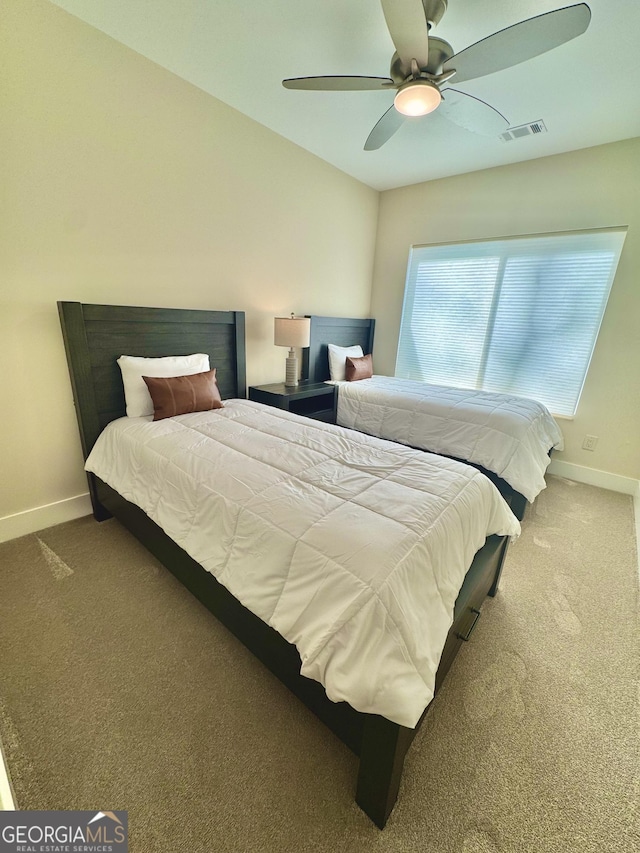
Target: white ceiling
587,91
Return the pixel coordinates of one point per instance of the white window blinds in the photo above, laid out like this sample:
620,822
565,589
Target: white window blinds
517,315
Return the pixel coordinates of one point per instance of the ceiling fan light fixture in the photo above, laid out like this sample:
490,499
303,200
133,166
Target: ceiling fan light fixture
417,98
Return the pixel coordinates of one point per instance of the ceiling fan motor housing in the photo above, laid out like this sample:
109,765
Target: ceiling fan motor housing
439,52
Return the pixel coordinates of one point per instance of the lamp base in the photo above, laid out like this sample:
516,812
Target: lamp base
291,376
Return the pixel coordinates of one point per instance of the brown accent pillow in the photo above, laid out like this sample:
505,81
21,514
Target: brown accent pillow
358,368
181,395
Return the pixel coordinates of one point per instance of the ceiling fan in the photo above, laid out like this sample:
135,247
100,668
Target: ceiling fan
422,65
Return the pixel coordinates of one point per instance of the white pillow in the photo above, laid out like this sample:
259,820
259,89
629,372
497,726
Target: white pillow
337,359
134,367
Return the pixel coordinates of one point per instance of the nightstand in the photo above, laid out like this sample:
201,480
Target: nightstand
311,399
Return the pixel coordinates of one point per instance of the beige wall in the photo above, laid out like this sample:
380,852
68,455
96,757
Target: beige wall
592,188
123,184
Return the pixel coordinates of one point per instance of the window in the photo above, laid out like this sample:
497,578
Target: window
519,315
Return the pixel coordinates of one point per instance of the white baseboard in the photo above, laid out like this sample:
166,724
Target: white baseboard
38,518
594,477
613,482
32,520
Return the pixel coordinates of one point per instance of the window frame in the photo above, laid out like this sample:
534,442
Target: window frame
602,291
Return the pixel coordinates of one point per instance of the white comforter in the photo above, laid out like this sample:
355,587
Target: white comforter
510,436
351,547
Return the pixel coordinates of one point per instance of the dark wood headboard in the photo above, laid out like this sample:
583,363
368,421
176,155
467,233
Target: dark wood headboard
96,335
344,332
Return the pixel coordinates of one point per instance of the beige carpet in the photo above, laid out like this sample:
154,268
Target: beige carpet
119,691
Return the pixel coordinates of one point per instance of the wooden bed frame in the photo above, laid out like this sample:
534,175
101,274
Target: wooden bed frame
346,332
94,337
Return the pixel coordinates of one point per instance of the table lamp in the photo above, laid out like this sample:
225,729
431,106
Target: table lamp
292,332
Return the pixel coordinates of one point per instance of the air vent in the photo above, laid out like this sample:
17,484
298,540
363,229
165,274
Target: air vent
523,130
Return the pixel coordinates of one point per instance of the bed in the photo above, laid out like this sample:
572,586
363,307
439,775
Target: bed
96,335
509,438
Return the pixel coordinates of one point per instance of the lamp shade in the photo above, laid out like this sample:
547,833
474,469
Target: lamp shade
292,331
417,98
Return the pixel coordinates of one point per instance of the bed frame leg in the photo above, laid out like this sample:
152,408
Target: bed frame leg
100,512
384,746
496,580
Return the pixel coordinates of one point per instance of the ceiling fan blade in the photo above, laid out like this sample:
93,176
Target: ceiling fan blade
407,24
339,84
519,42
391,121
472,113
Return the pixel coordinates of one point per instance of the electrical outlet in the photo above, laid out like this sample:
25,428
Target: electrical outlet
590,442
